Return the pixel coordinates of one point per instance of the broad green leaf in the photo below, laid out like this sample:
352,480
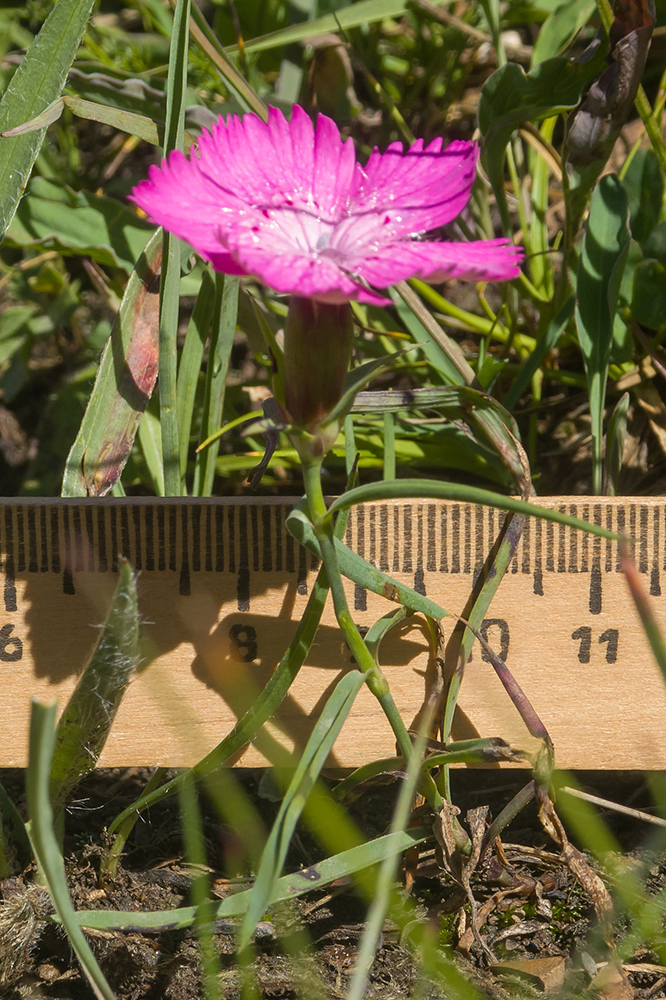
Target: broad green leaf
602,260
86,721
655,245
644,184
36,84
560,28
53,217
123,386
511,96
648,301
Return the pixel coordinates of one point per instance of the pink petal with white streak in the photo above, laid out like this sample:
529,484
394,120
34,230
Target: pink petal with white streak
483,260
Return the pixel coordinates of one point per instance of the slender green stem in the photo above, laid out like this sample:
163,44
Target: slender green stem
374,676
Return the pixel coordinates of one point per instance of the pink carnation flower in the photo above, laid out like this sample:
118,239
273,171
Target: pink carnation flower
288,204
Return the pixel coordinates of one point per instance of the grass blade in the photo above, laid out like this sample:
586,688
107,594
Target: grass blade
45,845
189,368
425,489
356,14
170,283
288,887
36,84
309,767
222,341
602,260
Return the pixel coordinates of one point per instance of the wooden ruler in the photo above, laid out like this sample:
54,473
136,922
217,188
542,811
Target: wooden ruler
221,588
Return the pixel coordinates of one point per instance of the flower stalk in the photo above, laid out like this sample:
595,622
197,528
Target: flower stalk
375,679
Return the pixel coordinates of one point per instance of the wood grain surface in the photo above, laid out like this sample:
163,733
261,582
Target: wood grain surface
222,586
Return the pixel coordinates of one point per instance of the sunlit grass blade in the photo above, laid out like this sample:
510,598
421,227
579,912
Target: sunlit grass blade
86,721
35,85
170,278
205,38
353,16
444,354
45,844
288,887
428,490
602,260
123,386
312,760
222,341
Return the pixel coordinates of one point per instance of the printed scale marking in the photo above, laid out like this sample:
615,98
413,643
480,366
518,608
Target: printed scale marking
53,551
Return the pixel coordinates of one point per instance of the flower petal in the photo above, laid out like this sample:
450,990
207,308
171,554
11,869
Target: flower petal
422,188
483,260
271,259
180,198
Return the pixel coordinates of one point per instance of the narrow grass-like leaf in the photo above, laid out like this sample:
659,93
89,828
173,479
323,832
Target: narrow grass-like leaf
123,386
444,354
45,845
288,887
125,121
616,437
355,568
35,85
85,724
486,750
176,95
426,489
189,367
195,853
385,889
554,331
219,355
205,38
150,441
308,769
389,447
353,16
602,260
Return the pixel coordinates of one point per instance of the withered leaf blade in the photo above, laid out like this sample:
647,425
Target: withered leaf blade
596,123
123,387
